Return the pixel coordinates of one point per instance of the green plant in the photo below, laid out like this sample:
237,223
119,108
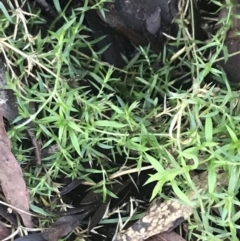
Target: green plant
142,118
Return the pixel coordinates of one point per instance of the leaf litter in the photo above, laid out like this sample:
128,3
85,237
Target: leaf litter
4,232
11,179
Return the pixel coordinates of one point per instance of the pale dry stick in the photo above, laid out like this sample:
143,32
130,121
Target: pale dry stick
133,170
119,174
179,52
17,209
115,175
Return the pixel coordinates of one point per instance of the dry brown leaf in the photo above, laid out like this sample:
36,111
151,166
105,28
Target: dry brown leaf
3,134
62,227
4,232
172,236
11,178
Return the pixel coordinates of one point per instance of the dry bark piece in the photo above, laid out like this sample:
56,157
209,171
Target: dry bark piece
11,178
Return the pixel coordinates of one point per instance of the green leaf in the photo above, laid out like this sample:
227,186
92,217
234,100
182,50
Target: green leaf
74,141
136,146
75,127
153,178
155,163
115,108
157,189
208,129
61,131
190,156
133,106
49,119
179,193
5,12
212,178
39,210
232,134
106,123
57,5
133,61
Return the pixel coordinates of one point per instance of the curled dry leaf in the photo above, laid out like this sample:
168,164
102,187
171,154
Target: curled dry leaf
11,178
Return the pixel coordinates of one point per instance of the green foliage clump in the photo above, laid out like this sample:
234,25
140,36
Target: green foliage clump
80,106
